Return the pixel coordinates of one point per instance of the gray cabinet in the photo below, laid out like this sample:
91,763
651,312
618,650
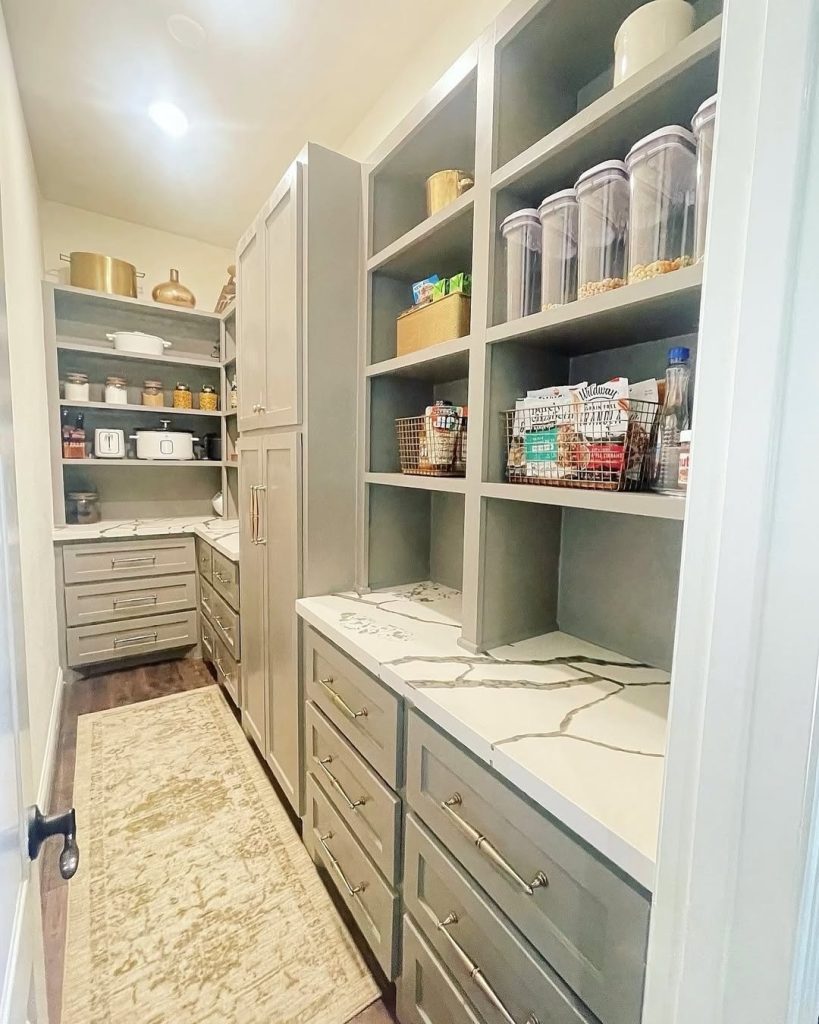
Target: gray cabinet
250,327
253,621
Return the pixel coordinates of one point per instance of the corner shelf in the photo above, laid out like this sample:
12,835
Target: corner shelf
158,410
634,503
444,362
105,352
447,234
74,296
145,463
452,484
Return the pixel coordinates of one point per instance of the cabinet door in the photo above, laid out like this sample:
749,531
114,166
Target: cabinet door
253,562
281,232
281,529
250,328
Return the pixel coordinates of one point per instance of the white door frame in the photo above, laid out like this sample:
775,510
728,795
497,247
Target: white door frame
733,925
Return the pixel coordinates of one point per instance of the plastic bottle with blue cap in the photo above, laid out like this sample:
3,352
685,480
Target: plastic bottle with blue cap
674,418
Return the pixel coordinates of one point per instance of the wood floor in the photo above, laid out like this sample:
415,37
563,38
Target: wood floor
98,693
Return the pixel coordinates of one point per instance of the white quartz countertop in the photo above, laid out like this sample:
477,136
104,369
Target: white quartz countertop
221,534
579,729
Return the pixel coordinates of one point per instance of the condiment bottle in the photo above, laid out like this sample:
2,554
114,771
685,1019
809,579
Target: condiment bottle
208,399
182,398
152,394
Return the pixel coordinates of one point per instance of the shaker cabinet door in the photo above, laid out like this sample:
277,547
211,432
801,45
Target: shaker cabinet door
253,561
250,329
281,526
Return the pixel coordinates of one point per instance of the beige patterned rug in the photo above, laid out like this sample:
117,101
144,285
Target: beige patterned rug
195,901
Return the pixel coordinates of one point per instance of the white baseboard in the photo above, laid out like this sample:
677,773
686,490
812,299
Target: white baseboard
50,753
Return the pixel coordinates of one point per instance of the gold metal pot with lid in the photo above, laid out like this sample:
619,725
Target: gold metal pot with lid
102,273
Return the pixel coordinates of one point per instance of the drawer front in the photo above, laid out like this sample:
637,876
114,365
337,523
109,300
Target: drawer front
371,901
223,618
358,705
107,642
204,558
425,993
585,920
469,935
128,599
207,638
226,579
370,809
130,559
228,671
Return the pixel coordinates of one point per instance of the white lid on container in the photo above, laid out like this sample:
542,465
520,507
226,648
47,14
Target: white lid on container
671,133
706,112
608,170
520,219
557,199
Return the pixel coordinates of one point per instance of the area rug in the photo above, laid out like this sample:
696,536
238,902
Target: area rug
195,901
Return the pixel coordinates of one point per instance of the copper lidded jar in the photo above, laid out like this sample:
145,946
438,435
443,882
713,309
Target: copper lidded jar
208,399
182,398
153,394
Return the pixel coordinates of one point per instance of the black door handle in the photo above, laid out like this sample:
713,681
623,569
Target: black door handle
41,827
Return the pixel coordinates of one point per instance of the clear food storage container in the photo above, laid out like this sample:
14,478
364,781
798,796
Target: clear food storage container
602,195
559,215
522,233
663,173
703,124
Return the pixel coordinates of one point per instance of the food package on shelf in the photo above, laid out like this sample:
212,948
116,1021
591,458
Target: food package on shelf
438,438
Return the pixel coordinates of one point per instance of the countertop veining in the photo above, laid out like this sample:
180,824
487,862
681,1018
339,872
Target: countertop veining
221,534
579,729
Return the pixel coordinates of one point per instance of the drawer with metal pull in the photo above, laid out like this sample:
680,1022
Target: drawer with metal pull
128,599
88,645
226,579
204,558
223,618
587,921
370,809
228,671
364,710
207,638
130,559
425,992
496,969
373,904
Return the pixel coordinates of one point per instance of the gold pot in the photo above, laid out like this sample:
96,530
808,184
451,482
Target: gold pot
444,187
102,273
173,293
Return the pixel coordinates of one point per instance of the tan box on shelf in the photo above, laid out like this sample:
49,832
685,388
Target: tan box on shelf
443,320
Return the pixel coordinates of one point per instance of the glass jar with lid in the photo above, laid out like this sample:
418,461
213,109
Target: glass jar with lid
82,507
663,175
116,391
603,197
182,398
76,387
153,394
208,399
559,215
703,124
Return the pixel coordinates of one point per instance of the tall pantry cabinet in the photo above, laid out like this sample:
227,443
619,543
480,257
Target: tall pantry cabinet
297,326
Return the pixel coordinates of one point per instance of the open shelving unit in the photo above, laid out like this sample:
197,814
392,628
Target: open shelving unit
203,348
528,108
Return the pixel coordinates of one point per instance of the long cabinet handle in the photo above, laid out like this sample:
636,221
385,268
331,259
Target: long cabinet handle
136,560
221,625
260,538
352,804
141,639
222,579
476,974
489,850
130,602
254,515
341,702
351,890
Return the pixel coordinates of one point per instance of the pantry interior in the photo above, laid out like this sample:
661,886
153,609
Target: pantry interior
449,462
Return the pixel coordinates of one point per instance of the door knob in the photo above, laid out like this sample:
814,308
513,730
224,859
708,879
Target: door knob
42,827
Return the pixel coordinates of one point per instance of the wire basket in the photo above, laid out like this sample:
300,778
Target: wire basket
433,445
574,446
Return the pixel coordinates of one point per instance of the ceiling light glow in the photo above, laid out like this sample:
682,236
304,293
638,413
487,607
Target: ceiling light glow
169,118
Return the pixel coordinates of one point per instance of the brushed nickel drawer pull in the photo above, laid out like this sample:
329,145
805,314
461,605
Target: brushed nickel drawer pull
207,644
141,639
129,602
352,890
340,701
221,578
221,625
136,560
476,974
487,848
352,804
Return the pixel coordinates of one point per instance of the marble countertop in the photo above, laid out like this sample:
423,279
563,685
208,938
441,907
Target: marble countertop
221,534
579,729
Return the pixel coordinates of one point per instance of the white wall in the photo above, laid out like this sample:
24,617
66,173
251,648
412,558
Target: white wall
202,267
461,23
23,268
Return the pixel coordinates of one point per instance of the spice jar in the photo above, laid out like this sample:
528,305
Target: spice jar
208,399
152,394
234,393
82,507
116,391
182,398
603,195
76,387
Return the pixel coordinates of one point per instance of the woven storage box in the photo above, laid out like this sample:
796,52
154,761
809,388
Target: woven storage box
442,320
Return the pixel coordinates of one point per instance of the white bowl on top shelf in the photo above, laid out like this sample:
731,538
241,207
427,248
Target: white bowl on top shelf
138,343
648,33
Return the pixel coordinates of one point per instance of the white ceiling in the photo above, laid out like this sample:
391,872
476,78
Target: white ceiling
270,75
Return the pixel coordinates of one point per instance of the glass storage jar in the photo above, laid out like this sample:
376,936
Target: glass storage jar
153,394
703,123
116,391
522,233
76,387
662,174
82,507
208,399
602,195
182,398
559,215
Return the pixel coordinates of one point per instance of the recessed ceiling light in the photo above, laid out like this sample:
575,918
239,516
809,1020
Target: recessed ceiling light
186,31
169,118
